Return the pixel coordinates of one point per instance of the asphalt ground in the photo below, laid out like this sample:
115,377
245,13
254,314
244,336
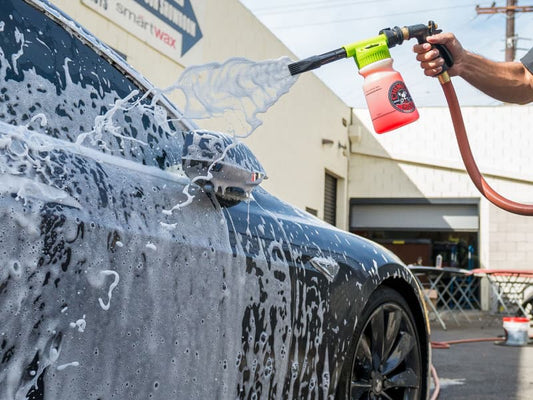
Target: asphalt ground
483,370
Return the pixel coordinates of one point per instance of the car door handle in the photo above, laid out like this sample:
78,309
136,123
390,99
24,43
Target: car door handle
327,266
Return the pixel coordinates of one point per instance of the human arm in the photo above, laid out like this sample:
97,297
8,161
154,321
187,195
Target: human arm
510,82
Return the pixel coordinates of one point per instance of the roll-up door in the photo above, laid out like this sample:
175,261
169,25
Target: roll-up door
330,199
411,214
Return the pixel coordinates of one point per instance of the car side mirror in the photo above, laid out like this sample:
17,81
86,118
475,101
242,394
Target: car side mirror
216,162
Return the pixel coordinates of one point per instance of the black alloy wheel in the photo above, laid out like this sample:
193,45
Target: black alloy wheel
387,360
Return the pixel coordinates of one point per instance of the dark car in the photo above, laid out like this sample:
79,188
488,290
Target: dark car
141,260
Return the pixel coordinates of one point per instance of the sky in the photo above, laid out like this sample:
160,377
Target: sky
309,27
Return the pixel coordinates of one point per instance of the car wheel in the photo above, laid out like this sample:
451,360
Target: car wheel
386,361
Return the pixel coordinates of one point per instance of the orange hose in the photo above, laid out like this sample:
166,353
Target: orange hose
446,345
468,159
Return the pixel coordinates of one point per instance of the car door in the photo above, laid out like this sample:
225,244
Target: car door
305,298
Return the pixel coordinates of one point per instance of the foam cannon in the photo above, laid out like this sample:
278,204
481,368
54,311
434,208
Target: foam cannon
388,36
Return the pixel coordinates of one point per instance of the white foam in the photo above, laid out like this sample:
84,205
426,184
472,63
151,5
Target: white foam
31,189
70,364
116,279
80,324
238,88
19,38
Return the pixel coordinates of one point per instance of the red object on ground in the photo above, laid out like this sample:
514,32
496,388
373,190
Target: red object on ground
446,345
516,319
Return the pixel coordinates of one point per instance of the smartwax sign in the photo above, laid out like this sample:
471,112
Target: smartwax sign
169,26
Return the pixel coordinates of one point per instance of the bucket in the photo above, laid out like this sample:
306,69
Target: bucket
516,331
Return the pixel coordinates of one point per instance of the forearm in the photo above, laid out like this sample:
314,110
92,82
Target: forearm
509,82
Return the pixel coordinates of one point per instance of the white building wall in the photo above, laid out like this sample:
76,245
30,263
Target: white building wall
511,240
500,138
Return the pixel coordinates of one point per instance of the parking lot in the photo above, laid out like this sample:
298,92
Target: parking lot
481,370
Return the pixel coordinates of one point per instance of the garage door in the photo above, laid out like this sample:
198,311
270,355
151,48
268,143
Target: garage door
419,214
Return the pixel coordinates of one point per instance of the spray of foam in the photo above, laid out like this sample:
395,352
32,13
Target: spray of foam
238,90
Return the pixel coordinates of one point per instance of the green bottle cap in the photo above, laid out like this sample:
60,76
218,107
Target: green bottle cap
368,51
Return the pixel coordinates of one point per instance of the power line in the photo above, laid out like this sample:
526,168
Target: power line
337,21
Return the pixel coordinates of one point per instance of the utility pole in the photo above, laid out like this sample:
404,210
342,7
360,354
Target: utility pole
511,9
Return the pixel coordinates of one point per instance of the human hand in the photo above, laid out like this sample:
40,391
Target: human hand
430,58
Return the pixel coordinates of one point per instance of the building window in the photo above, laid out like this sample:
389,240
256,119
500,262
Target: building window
311,211
330,199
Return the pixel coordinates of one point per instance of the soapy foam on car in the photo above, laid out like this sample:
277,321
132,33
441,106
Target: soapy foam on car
201,329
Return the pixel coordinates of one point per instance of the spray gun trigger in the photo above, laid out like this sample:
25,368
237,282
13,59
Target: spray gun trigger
433,28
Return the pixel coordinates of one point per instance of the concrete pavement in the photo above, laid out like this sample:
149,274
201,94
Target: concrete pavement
482,370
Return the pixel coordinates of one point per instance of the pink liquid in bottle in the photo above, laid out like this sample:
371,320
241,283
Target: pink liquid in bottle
387,97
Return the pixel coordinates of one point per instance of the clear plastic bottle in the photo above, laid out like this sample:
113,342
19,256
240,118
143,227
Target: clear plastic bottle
387,97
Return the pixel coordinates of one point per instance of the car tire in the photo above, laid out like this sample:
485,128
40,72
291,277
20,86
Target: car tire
385,357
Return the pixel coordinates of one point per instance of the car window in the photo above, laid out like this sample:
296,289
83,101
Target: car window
53,82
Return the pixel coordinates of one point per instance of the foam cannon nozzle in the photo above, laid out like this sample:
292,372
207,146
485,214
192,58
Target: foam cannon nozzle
316,61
